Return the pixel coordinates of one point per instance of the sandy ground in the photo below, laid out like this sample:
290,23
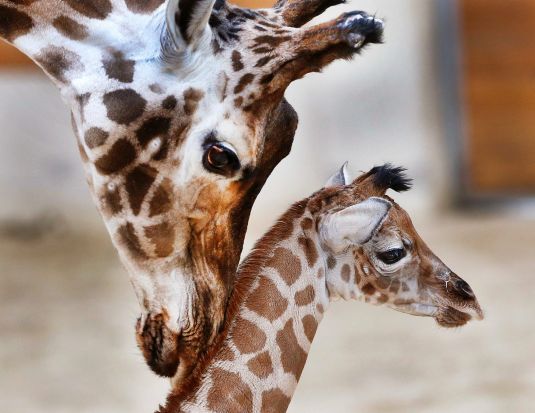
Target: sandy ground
67,314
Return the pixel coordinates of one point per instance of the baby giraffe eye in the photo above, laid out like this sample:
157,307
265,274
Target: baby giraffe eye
392,256
220,159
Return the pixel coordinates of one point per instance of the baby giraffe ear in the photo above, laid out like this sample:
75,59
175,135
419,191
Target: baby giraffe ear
354,225
186,21
340,178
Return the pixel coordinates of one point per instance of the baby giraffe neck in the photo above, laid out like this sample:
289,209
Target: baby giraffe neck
279,299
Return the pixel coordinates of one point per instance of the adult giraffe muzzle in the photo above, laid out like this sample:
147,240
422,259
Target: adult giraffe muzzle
180,117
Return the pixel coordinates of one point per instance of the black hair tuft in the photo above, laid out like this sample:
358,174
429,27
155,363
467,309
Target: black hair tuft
388,176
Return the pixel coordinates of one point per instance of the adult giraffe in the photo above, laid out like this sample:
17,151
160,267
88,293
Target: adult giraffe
180,117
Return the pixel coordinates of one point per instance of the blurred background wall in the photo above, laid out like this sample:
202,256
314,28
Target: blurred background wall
450,96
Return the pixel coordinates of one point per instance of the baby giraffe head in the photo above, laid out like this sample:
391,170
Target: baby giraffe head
376,255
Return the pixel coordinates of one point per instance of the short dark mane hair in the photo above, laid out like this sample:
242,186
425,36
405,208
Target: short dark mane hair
392,177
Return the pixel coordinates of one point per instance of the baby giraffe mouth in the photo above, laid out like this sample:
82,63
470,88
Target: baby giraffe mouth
445,316
450,317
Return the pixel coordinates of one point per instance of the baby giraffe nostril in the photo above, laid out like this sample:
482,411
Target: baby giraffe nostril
464,289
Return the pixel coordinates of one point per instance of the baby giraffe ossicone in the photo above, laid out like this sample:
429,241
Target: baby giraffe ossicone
348,240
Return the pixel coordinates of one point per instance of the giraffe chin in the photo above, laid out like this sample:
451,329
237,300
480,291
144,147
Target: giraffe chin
159,345
450,317
445,316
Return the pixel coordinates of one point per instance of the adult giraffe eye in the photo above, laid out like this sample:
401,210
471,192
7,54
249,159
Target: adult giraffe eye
392,256
220,159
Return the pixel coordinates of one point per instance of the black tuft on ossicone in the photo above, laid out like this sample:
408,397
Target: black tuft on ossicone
388,176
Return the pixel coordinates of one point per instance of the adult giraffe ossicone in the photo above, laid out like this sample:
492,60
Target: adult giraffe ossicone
180,115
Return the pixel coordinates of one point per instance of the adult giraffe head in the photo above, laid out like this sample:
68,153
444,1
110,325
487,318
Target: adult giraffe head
180,115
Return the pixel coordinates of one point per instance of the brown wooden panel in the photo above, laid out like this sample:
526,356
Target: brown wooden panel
499,89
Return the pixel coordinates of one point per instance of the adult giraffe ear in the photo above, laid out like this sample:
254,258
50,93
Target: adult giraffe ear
340,178
187,22
354,225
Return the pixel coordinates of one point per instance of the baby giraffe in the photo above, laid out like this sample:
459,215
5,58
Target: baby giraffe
347,240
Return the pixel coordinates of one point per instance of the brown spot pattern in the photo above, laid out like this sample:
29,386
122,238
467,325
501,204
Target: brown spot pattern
124,106
152,128
192,97
160,202
128,237
266,300
138,183
56,61
274,401
162,237
263,61
357,276
229,393
14,23
121,154
237,64
310,325
286,263
309,248
272,41
95,137
95,9
293,357
169,103
346,272
238,102
156,88
331,262
368,289
70,28
119,68
244,81
261,365
247,337
112,204
307,224
305,296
